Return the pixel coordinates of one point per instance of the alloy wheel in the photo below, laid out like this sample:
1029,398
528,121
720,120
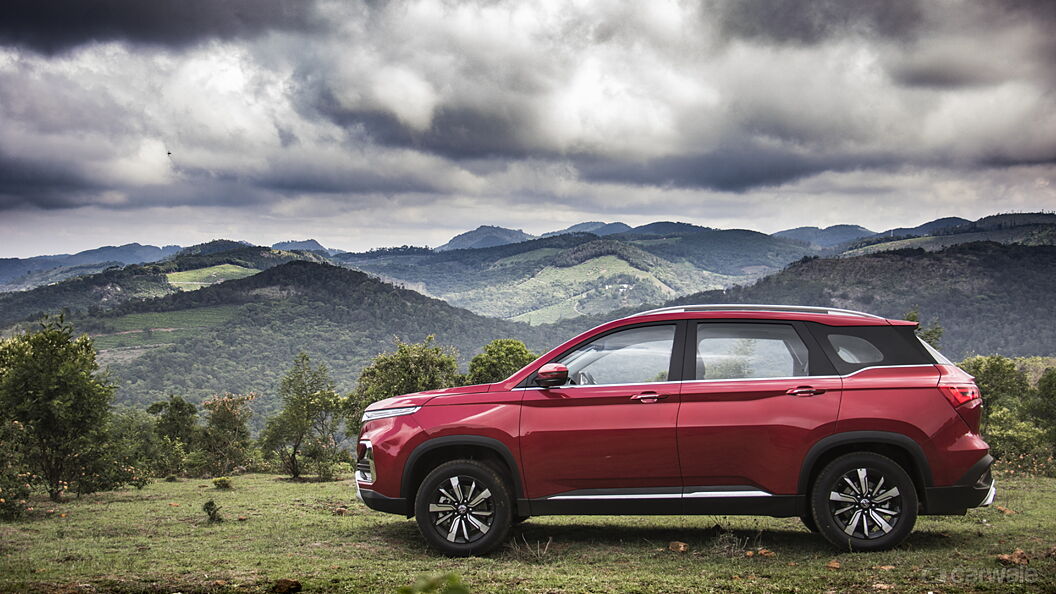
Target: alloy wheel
462,510
865,504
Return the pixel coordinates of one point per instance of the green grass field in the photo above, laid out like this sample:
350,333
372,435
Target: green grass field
190,280
158,539
146,329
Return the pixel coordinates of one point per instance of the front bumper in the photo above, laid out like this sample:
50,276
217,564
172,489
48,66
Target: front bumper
379,502
976,488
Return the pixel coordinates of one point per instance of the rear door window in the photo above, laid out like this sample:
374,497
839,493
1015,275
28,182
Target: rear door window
745,350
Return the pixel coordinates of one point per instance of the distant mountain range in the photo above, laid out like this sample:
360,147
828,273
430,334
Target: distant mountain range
827,237
23,273
567,275
596,227
306,245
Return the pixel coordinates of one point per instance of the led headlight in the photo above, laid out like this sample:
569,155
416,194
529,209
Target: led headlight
385,413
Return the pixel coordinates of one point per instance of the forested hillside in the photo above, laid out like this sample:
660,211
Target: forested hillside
110,288
246,332
19,274
1037,228
990,298
572,274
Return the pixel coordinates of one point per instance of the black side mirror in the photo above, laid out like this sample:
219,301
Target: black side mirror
552,374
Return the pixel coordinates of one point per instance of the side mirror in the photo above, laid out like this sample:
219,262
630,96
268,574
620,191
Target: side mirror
552,374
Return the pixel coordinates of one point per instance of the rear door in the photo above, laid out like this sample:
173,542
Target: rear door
760,394
610,432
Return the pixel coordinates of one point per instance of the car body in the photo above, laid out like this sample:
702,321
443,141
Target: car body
783,411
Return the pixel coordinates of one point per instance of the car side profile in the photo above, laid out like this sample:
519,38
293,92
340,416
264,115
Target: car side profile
844,419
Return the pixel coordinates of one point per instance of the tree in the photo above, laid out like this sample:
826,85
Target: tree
15,476
225,439
309,421
931,334
177,419
412,367
50,382
498,361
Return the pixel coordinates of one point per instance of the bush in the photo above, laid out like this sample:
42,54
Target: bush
1019,445
222,483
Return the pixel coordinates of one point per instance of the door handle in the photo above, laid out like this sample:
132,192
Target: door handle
648,397
804,391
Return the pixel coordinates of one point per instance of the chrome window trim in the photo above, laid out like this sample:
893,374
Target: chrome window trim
738,379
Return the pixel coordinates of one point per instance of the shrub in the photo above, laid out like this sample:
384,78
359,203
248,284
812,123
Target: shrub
212,510
1019,445
222,483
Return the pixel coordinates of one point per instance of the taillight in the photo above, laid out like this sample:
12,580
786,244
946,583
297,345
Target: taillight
959,394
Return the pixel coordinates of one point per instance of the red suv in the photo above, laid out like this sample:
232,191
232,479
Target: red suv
844,419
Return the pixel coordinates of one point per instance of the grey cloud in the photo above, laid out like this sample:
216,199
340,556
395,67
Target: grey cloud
43,185
729,169
52,26
813,21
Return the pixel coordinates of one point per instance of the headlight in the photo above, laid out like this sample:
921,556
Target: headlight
385,413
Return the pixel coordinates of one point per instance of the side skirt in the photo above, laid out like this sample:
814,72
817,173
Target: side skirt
723,500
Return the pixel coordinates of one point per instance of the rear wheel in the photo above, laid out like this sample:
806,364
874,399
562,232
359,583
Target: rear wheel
864,502
463,507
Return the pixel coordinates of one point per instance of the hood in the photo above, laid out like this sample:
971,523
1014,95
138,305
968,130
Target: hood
421,398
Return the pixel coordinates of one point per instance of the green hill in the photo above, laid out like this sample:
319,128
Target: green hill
563,276
241,335
989,297
190,269
1036,228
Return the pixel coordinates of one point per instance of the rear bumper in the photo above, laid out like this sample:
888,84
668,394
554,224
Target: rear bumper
975,489
379,502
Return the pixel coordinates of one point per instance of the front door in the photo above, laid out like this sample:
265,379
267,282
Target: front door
609,433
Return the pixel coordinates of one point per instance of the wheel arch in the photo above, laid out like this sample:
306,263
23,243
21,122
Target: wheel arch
431,453
901,448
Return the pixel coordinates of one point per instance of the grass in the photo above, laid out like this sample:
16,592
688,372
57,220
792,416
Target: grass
158,539
146,329
190,280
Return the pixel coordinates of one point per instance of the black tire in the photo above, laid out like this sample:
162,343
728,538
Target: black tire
463,507
864,502
808,521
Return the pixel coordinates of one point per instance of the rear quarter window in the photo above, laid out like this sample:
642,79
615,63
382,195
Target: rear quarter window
851,348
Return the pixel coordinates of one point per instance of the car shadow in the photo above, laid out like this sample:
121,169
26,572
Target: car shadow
617,533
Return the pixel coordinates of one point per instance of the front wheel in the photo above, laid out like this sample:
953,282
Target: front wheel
864,502
463,507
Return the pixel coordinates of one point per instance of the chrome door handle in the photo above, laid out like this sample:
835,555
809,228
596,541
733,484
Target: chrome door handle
804,391
648,397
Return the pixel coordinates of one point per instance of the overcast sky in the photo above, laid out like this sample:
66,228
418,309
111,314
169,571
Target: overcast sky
364,124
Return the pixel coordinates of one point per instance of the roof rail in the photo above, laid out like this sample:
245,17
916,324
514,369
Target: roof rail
759,307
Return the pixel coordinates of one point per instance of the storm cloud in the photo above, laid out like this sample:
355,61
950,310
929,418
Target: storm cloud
450,114
58,25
